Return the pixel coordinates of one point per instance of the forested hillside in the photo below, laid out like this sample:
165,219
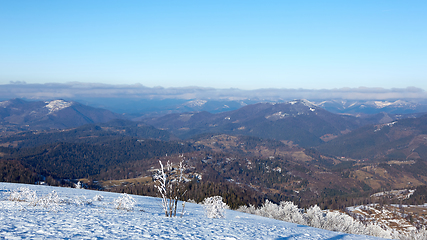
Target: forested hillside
255,153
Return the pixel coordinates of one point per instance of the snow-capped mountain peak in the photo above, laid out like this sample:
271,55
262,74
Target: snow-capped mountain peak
308,103
382,104
305,102
57,105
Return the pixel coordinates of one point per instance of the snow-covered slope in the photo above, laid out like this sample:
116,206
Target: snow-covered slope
76,219
57,105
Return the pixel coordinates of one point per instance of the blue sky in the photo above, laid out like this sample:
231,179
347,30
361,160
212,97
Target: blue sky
220,44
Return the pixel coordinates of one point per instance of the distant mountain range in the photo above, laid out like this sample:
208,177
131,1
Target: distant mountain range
372,107
18,114
142,108
300,121
139,108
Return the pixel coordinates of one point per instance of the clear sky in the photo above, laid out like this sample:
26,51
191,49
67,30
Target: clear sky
221,44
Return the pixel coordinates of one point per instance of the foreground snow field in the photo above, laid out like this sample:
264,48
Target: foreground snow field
101,220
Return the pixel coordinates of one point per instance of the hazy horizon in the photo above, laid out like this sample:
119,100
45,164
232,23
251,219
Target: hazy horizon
74,90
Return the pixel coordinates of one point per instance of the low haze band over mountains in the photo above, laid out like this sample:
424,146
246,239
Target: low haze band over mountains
75,90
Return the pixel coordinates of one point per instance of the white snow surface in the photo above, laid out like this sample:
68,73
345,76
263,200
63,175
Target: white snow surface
308,103
101,220
305,102
195,103
277,115
57,105
4,104
383,104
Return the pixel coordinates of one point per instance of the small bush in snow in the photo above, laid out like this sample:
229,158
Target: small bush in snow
23,194
214,207
79,201
78,185
97,198
50,201
124,202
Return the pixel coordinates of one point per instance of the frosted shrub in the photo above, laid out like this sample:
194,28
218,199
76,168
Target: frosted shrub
23,194
50,201
420,234
377,231
315,217
79,201
268,209
286,211
214,207
340,222
124,202
290,212
251,209
78,185
97,198
170,184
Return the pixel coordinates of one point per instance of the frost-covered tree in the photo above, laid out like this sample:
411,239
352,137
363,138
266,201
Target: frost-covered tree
170,184
214,207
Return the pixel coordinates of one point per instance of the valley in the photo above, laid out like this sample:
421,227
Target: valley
294,151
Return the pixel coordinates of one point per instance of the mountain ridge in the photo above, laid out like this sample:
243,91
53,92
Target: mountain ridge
21,115
299,121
